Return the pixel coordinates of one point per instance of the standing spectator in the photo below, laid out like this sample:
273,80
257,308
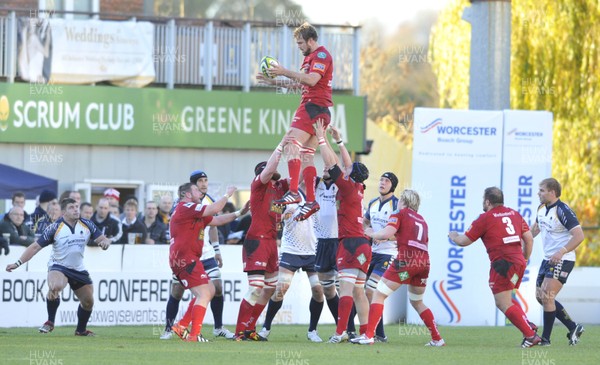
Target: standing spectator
157,230
18,200
75,195
46,198
13,224
112,195
53,214
502,230
107,223
561,235
132,225
225,229
165,205
86,210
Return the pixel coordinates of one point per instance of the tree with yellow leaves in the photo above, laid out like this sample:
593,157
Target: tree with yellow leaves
555,66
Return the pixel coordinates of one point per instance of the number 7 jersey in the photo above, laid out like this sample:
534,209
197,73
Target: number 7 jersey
500,229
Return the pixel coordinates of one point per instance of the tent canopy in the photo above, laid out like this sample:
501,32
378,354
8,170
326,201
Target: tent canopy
13,180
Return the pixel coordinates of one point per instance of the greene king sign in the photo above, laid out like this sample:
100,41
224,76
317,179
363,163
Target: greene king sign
161,118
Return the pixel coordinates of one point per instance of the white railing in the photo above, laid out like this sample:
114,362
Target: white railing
211,54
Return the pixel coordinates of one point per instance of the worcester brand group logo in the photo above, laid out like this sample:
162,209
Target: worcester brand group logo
4,112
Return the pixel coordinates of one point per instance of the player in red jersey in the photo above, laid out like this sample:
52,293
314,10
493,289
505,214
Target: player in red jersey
508,242
354,252
411,266
314,79
259,253
187,225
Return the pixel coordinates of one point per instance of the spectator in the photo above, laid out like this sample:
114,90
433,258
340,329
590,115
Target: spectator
54,213
139,216
225,229
107,223
165,205
157,230
132,225
12,225
65,194
86,210
18,200
113,196
46,198
76,195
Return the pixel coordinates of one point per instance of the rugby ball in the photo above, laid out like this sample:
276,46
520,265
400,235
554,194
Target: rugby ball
266,63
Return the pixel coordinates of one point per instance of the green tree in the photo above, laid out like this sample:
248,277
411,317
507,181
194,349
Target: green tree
555,66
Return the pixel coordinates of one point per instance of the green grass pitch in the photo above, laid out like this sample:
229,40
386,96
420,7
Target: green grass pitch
288,345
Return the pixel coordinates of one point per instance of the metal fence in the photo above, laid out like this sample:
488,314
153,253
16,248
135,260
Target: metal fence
217,54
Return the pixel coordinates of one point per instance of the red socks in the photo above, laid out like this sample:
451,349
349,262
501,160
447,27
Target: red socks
427,317
310,176
198,313
187,316
294,170
244,315
344,308
375,313
517,317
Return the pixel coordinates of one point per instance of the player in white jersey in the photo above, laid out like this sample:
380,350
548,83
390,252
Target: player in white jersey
384,252
561,235
297,251
212,261
68,236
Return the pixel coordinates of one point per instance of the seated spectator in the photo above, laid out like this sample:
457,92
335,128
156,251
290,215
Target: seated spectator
45,199
86,211
132,225
139,216
157,230
54,213
108,224
18,200
12,226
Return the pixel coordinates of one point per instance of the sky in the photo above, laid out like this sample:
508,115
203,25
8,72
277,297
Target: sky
390,13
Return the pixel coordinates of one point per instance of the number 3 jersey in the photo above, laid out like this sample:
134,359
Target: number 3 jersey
500,229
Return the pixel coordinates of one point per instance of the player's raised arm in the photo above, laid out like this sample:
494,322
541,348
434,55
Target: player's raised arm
329,157
344,154
273,161
382,234
309,79
217,206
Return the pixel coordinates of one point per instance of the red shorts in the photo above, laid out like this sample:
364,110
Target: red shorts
354,253
411,271
192,275
307,114
511,280
260,255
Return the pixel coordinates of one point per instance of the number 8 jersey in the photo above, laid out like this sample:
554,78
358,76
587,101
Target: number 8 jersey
500,229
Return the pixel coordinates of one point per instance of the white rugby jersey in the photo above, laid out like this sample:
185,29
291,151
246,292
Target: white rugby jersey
207,250
298,238
378,213
326,223
68,243
555,222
